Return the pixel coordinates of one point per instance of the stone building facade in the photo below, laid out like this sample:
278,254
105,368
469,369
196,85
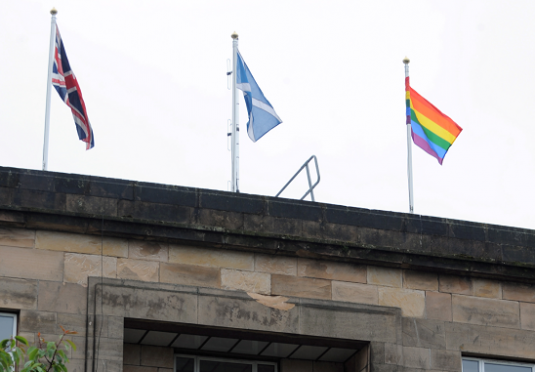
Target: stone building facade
158,278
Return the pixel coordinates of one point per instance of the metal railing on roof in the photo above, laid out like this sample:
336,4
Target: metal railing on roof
310,185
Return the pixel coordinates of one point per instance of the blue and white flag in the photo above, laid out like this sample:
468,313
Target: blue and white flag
262,116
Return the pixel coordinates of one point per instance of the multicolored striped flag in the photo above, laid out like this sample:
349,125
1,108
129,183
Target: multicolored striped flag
68,89
432,131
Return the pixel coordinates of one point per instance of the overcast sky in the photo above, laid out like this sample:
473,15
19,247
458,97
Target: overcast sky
153,76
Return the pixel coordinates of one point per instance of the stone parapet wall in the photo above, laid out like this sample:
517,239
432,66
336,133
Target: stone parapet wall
112,207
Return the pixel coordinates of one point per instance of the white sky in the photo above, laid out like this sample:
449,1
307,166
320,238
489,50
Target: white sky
153,76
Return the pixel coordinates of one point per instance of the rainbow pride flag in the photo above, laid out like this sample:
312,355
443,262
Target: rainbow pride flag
432,131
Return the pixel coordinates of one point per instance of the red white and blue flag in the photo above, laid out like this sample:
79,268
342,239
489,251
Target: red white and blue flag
68,89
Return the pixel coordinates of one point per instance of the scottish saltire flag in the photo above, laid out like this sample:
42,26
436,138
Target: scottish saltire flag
432,131
68,89
262,116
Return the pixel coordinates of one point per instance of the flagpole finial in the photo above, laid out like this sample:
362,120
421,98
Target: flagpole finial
406,60
53,11
234,35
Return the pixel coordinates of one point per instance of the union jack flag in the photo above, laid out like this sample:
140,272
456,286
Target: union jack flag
68,89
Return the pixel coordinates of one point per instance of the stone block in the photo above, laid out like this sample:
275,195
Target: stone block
13,237
338,232
423,333
66,242
392,368
147,250
414,357
445,360
411,302
29,336
377,353
485,311
109,326
111,188
455,284
18,293
78,267
146,271
157,356
155,212
300,210
38,321
229,221
245,313
275,264
165,194
132,354
115,247
79,353
527,316
94,205
62,297
76,365
190,275
113,366
393,354
438,306
300,287
519,292
420,280
100,364
271,225
110,349
73,322
384,276
211,257
6,196
355,292
130,368
486,288
486,340
31,263
340,271
350,321
247,281
136,302
39,200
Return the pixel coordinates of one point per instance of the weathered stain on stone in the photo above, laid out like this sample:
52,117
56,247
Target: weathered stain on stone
276,302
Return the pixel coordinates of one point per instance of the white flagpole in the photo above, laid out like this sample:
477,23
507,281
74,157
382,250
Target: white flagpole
409,146
235,149
53,12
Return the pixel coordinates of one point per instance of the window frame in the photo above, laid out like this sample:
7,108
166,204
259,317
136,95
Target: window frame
197,361
15,319
482,361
